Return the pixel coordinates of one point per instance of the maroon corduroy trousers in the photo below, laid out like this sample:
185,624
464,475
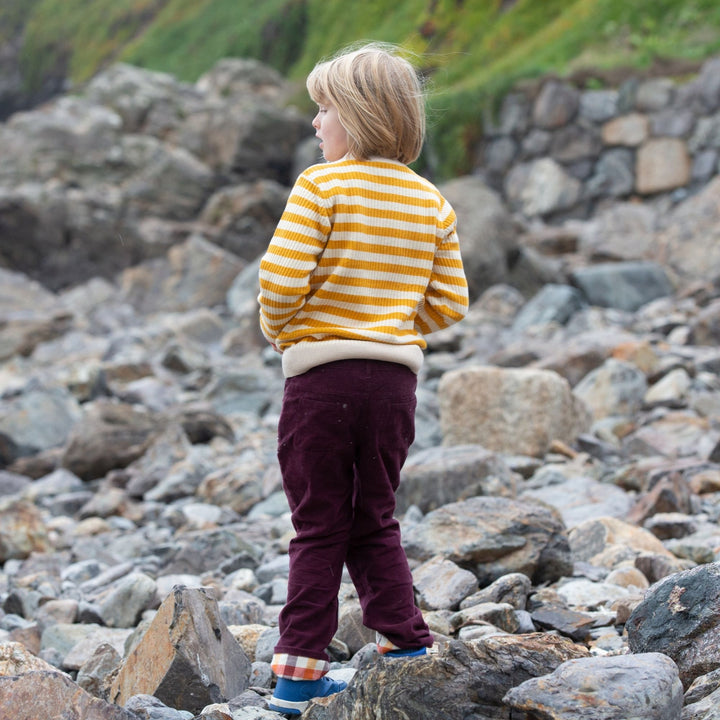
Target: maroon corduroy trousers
343,436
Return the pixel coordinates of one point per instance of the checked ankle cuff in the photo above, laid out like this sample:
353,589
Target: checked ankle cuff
297,667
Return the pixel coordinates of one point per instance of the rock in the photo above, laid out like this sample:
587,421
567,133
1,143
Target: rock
688,244
489,236
644,686
351,630
22,530
662,164
705,709
577,497
195,274
541,188
148,707
513,537
38,418
628,130
40,693
606,542
187,657
509,410
598,105
441,475
569,623
244,216
125,600
687,602
441,585
555,105
16,659
553,303
110,435
512,589
475,676
615,388
93,674
626,286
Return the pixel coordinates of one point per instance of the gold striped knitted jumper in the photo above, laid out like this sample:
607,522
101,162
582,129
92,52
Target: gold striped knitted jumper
364,262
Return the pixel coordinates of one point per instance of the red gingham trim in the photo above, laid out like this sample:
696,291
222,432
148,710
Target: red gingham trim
383,644
296,667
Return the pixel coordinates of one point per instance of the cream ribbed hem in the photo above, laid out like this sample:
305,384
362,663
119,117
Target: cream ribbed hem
299,358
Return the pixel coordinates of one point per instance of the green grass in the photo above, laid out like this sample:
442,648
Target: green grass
473,51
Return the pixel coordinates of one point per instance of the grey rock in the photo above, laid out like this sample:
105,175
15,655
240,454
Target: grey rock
244,217
489,234
598,105
611,688
441,584
541,188
475,677
556,104
615,388
613,175
125,600
709,85
513,537
654,94
706,709
266,645
512,588
148,707
553,303
39,418
12,483
702,687
687,600
109,435
626,286
437,476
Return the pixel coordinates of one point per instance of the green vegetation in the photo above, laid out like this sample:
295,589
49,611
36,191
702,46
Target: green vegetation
472,51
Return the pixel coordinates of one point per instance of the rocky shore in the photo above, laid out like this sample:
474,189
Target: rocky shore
560,504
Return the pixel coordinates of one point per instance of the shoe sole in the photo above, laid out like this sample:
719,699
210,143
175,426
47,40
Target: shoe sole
287,706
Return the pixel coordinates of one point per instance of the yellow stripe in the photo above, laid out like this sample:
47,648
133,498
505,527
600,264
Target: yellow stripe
378,301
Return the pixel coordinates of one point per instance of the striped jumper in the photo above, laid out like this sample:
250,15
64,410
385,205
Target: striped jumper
364,262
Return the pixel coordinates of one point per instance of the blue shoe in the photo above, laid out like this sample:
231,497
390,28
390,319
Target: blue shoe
405,653
292,696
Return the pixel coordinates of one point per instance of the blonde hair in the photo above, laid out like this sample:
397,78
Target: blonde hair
379,98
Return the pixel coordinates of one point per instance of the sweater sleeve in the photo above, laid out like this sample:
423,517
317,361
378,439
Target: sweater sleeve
446,297
291,257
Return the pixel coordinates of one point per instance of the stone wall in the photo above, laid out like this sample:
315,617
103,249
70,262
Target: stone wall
559,151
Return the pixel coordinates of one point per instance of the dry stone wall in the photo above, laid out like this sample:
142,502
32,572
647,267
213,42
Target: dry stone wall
559,151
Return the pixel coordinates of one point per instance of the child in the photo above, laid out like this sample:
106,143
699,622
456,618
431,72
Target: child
365,261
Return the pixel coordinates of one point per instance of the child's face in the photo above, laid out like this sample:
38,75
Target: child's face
333,136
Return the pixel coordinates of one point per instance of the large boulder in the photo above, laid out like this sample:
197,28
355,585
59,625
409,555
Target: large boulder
464,680
514,411
187,658
494,536
644,687
680,617
488,234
